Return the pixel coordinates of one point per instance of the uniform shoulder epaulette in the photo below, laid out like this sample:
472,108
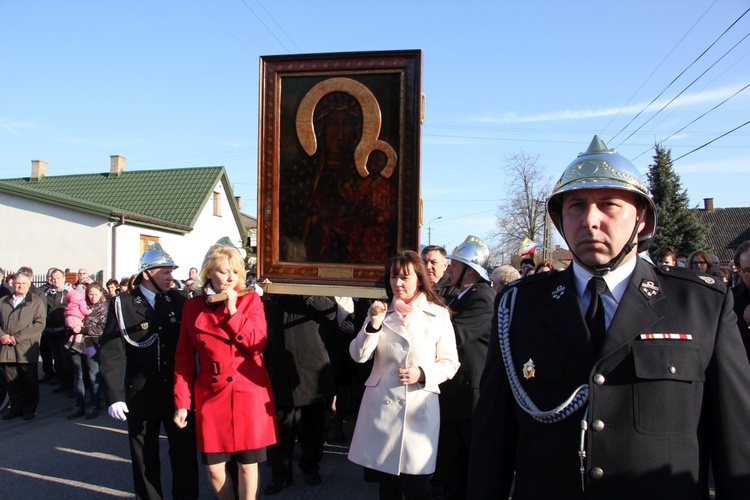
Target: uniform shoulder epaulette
534,278
690,275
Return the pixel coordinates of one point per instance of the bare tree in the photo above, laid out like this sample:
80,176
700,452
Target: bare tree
521,213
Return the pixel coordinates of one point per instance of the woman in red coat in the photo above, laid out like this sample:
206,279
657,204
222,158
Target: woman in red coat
232,391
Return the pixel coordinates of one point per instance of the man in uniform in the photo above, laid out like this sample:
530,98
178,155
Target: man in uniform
436,261
741,292
632,403
137,365
472,321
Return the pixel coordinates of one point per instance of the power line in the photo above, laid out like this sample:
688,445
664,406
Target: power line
709,142
266,26
224,26
677,77
659,66
704,87
241,25
701,116
686,88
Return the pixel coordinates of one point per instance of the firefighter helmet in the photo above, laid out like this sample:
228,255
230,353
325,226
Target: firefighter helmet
474,253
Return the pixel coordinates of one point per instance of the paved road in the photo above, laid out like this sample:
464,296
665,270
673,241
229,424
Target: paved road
53,457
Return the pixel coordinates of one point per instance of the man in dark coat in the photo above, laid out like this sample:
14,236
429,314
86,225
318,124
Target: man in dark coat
741,292
137,366
302,380
56,363
22,317
436,261
631,400
472,319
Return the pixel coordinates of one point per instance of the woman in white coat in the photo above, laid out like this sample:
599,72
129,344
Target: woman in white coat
414,346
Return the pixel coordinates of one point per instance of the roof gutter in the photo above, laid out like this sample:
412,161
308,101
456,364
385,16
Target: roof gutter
148,221
114,226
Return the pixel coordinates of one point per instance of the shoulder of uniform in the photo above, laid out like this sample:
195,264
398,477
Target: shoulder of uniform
534,278
691,276
177,294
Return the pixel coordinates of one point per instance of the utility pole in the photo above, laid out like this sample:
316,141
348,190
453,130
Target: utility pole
429,230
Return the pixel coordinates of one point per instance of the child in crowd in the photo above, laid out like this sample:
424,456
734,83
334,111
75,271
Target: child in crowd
75,310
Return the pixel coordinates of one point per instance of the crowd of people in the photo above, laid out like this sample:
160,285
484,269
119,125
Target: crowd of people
621,375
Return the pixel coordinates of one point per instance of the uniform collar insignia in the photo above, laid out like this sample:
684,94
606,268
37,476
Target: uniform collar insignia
144,325
138,300
529,369
558,292
649,289
707,279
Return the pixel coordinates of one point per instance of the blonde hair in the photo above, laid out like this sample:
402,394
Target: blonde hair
211,261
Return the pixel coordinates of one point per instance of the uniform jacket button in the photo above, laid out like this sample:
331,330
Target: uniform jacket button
598,425
599,379
229,379
214,379
401,402
597,473
239,337
203,342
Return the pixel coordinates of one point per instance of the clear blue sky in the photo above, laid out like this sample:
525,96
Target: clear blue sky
175,84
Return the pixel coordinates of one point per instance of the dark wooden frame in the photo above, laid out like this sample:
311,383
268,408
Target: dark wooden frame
394,79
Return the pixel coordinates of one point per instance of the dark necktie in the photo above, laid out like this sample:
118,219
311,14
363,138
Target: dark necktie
159,302
595,313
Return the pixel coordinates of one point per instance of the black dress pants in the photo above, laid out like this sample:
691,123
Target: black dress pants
22,384
451,472
144,453
312,420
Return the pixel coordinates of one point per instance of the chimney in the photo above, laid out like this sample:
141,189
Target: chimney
38,170
116,165
238,200
708,204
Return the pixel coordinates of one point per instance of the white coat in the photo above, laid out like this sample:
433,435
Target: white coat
397,426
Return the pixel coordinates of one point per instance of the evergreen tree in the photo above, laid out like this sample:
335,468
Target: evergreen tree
678,225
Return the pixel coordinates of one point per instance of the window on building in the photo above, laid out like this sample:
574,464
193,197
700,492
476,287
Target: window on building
147,240
217,204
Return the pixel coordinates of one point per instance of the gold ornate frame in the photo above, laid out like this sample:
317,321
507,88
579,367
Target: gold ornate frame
318,217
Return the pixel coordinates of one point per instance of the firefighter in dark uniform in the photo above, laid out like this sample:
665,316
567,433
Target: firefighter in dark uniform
471,316
137,366
636,401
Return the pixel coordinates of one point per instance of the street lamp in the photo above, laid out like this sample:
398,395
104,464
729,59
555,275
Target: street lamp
429,230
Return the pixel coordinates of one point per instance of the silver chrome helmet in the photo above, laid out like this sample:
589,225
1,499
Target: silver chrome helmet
474,253
602,168
154,257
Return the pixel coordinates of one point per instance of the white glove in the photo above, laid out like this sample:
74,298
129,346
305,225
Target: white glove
118,411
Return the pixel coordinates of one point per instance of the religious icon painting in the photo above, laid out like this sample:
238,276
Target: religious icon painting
338,179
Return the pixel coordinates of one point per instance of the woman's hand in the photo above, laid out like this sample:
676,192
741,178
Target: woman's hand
410,375
180,417
377,314
76,329
231,301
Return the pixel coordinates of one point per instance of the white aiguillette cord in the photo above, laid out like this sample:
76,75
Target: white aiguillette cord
576,401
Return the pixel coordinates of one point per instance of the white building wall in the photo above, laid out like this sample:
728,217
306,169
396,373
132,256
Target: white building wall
186,250
40,235
207,231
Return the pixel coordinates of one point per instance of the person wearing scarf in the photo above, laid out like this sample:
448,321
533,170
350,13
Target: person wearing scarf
414,350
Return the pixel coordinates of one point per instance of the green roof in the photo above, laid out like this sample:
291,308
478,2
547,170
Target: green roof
169,199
